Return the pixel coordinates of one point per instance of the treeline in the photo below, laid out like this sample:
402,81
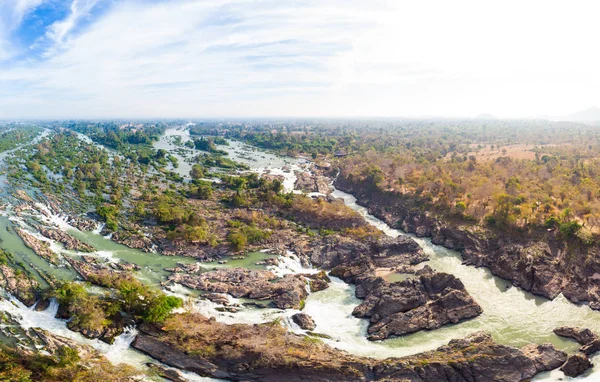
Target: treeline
505,173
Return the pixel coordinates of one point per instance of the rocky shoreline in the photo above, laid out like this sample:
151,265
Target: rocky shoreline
539,263
267,352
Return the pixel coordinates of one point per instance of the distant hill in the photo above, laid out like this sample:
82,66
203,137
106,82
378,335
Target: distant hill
485,116
588,115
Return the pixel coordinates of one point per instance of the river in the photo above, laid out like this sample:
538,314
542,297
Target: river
512,316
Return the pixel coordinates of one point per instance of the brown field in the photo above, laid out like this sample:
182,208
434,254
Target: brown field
521,151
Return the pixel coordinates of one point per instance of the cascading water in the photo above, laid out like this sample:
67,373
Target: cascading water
513,317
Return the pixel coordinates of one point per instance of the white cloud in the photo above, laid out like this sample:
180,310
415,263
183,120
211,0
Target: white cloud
321,58
11,15
79,9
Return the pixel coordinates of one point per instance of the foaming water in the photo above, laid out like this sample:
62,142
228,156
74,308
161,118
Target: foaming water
512,316
29,318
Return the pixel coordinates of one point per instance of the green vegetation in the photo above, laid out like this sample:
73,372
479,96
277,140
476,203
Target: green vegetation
65,365
17,135
95,313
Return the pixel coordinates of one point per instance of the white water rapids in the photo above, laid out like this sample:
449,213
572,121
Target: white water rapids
512,316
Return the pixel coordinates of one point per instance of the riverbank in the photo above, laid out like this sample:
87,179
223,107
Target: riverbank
542,263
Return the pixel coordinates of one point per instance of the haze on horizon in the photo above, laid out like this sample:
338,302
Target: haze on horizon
222,58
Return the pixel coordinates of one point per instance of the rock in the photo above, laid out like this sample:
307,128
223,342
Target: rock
67,240
83,223
318,281
53,343
304,321
545,356
590,348
424,271
218,298
308,182
267,352
582,335
168,374
576,365
42,305
91,270
286,292
18,284
133,240
172,356
41,248
429,302
381,252
539,261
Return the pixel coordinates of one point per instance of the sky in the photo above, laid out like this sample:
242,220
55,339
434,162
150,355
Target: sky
297,58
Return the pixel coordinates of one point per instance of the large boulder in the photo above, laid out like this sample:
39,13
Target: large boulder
427,302
576,365
304,321
545,356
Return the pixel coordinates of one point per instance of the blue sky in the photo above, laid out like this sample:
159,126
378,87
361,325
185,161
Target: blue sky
219,58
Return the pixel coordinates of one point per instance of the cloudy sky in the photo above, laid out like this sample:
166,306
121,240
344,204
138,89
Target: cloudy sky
219,58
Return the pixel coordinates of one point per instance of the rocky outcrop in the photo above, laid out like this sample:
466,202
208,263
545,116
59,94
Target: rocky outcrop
429,302
90,269
582,335
576,364
53,344
67,240
168,374
382,251
41,248
133,240
286,292
83,223
308,182
267,352
304,321
544,356
23,287
588,339
536,261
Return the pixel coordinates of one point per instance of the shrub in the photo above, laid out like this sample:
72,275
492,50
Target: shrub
569,228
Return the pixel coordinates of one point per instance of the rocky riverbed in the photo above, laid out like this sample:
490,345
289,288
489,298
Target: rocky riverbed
539,262
268,352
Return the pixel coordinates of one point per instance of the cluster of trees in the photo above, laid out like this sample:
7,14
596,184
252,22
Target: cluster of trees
92,312
65,162
207,144
15,136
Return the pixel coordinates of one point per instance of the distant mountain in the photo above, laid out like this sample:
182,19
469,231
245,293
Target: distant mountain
588,115
485,116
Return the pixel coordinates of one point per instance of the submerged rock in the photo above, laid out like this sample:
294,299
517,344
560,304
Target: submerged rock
576,365
304,321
